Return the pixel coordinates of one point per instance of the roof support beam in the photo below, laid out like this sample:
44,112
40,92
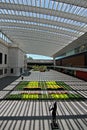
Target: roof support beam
49,29
28,33
43,21
45,11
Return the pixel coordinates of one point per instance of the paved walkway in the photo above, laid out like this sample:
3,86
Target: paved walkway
35,115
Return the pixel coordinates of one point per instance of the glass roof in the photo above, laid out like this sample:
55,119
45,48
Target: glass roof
59,17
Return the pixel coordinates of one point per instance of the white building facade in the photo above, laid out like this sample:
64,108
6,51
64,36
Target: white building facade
12,60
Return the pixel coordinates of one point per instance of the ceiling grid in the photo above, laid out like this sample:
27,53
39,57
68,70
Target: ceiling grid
46,19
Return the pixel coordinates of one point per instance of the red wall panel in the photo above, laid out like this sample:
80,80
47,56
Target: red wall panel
81,74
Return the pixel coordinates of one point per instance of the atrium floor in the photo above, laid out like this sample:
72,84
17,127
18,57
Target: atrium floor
35,115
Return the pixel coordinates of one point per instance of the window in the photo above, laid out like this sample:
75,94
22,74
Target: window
1,71
20,70
5,61
5,71
12,70
0,58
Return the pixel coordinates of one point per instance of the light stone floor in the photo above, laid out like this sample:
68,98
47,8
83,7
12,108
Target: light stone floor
35,115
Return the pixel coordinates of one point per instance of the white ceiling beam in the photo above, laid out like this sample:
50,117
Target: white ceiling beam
55,43
19,34
43,21
45,11
35,34
54,30
31,34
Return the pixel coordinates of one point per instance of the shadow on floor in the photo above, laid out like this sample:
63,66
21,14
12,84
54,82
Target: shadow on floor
6,81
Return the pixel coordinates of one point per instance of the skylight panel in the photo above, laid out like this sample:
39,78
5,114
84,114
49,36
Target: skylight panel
26,2
30,13
27,14
68,7
77,10
13,12
85,25
38,15
15,1
60,6
38,3
51,4
44,25
72,9
35,15
41,15
5,1
51,17
42,3
65,20
55,18
10,1
9,11
48,17
2,11
64,7
29,2
70,21
46,3
61,20
19,13
22,13
44,16
33,2
83,12
55,5
5,38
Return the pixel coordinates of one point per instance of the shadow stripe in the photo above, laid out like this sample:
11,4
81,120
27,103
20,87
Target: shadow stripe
42,117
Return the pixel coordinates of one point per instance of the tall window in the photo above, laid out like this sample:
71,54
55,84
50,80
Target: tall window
1,71
5,71
0,58
5,61
20,70
12,70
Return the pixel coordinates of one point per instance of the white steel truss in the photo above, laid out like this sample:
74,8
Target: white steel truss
43,26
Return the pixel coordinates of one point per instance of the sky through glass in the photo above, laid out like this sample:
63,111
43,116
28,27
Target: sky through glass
34,56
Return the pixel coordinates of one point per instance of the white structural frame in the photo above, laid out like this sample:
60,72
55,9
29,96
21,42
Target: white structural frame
43,27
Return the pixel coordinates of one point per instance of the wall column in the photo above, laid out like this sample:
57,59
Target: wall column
15,61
